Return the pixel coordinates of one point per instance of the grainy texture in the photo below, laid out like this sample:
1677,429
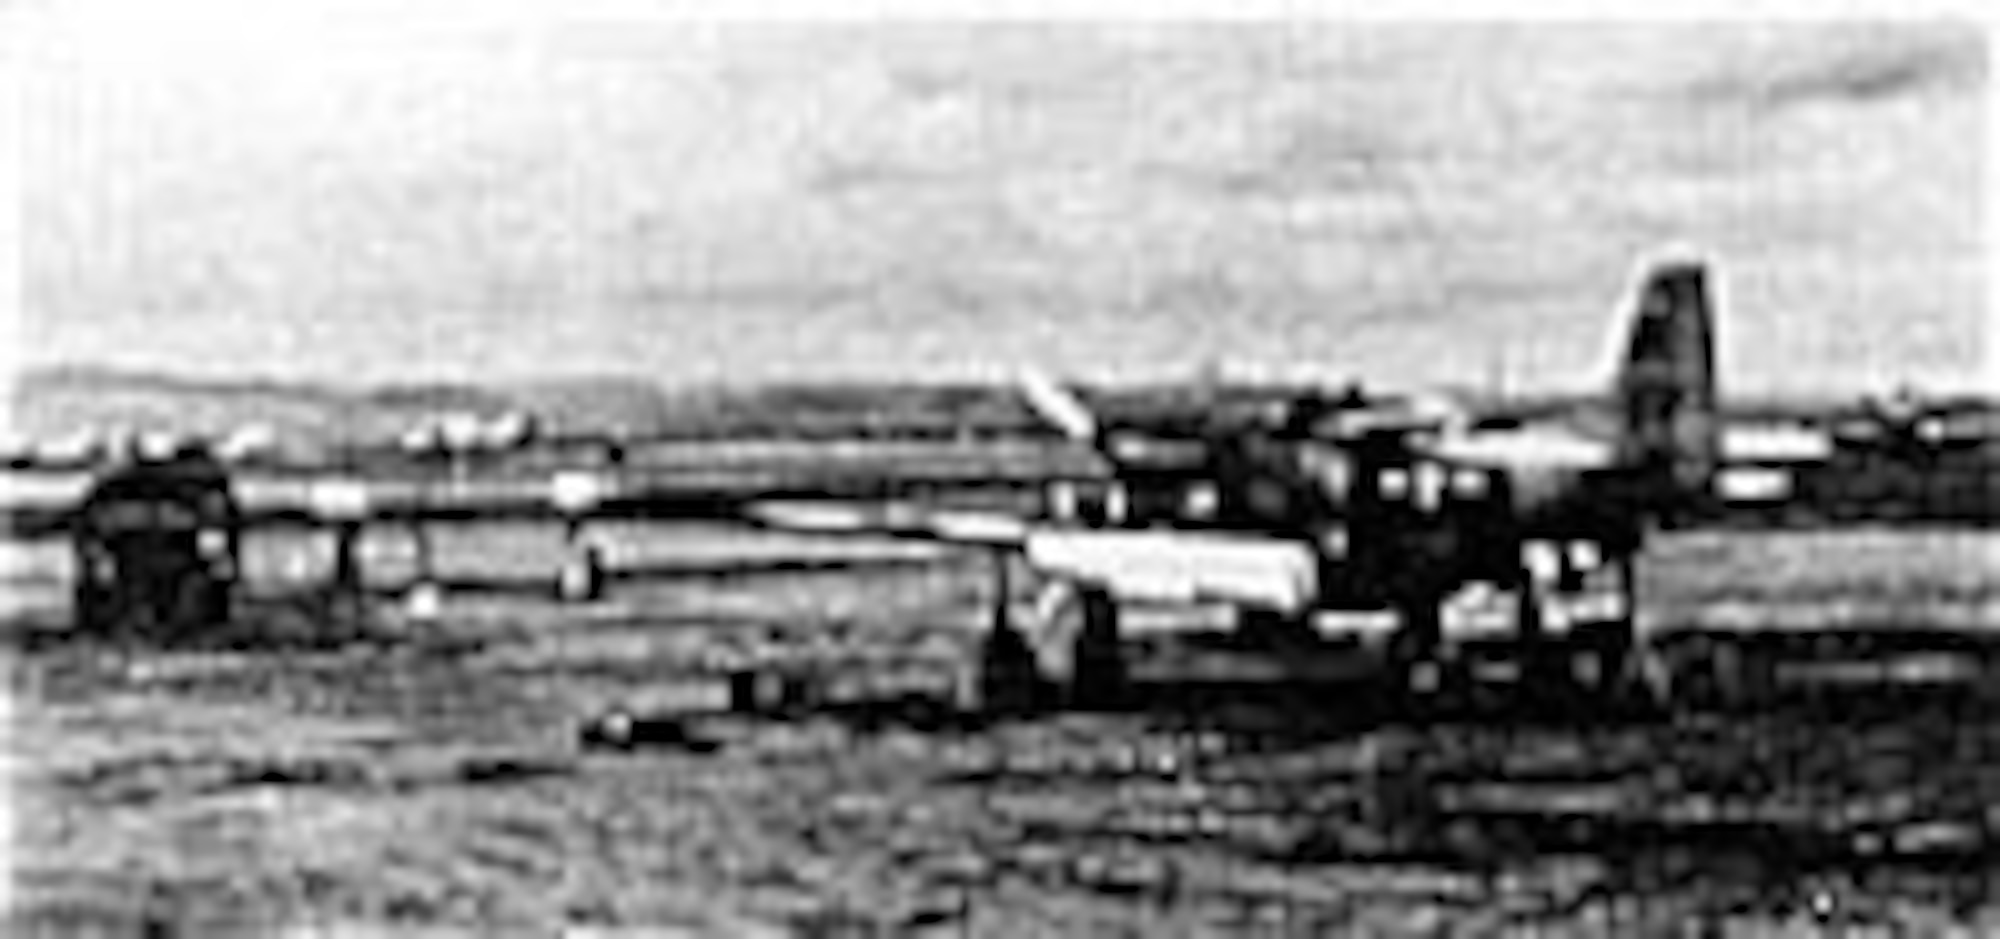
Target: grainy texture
232,217
438,784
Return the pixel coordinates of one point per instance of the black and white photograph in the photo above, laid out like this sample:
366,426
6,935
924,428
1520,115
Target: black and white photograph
588,469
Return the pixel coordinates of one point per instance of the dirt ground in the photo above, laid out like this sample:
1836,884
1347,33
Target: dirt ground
435,786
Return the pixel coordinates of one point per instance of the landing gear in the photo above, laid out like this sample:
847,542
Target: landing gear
1574,649
1098,676
1583,647
341,599
1417,666
1025,671
1009,681
581,578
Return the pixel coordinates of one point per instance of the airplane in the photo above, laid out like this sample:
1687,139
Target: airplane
1415,505
1327,507
1408,506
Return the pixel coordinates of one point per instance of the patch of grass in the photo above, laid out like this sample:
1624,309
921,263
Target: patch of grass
399,789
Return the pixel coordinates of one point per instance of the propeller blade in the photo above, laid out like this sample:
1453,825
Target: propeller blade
1059,406
1056,595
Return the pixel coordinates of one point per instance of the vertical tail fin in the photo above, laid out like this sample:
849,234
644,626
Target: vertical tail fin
1666,388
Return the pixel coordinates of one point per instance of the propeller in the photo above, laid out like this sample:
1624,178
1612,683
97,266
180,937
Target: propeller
1059,406
1062,409
1056,596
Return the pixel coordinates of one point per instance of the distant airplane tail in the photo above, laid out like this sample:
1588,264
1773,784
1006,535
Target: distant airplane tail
1666,387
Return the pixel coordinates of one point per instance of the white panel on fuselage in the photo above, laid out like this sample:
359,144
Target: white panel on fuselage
1169,566
1775,442
1753,484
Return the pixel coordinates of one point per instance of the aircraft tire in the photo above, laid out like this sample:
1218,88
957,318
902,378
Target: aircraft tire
1603,665
1593,680
193,611
93,613
1550,676
1419,678
1619,681
1099,677
1009,680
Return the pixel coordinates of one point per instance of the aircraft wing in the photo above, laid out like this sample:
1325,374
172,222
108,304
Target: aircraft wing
1162,565
39,505
547,585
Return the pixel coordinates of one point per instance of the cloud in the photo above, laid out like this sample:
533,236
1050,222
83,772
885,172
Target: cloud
1848,66
818,195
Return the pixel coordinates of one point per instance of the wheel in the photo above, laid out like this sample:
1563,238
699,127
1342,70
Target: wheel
1098,679
1755,679
169,600
1697,673
1009,680
1619,679
1732,674
1419,677
1071,663
192,609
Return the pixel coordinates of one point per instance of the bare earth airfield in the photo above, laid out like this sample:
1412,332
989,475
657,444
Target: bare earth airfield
430,780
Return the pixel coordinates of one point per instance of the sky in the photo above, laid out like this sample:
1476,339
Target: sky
338,192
